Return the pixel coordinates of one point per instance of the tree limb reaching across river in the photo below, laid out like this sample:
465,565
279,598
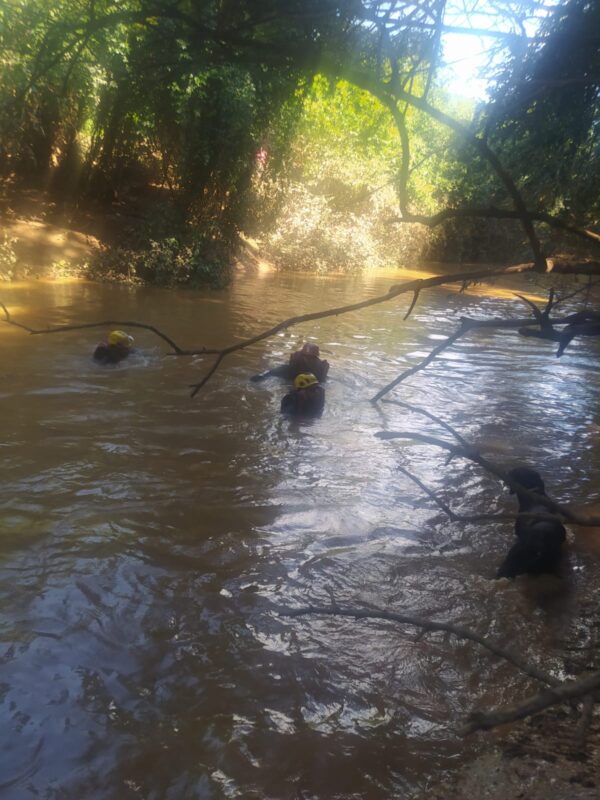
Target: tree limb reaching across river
178,351
414,286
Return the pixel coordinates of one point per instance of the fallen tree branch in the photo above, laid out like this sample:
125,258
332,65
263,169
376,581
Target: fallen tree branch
104,324
590,328
221,353
454,517
412,305
430,626
395,291
466,325
415,286
422,364
541,317
472,454
430,493
425,413
567,690
583,323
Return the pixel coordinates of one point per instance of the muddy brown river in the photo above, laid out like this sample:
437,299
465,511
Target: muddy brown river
150,544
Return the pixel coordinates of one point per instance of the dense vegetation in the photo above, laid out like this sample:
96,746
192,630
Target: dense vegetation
310,125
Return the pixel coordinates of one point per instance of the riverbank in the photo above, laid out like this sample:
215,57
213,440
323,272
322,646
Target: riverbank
142,240
139,240
538,759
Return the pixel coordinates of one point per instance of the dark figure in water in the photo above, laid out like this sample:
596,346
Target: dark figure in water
117,347
302,361
307,399
539,544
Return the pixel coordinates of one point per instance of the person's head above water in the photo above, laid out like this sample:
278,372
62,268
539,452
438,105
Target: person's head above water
304,380
118,345
309,349
120,338
528,478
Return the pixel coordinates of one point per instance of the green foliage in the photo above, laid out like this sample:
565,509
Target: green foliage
312,235
170,262
330,206
543,118
102,99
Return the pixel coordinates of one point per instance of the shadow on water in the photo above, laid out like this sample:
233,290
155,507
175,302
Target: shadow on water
149,545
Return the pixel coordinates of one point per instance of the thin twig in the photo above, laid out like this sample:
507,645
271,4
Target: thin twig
582,290
104,324
424,412
197,386
412,305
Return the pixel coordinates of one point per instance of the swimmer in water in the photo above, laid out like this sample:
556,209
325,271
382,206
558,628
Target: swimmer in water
539,545
307,399
303,361
117,346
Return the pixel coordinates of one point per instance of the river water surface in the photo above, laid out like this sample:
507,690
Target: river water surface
150,544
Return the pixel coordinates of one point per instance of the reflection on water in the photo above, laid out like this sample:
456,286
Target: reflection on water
149,543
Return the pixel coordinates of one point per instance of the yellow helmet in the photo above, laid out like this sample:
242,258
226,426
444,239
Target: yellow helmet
304,380
120,337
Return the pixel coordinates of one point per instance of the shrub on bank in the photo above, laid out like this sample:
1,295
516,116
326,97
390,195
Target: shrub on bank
168,262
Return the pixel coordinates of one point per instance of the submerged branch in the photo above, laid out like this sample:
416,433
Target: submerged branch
587,713
556,691
428,625
425,413
567,690
454,517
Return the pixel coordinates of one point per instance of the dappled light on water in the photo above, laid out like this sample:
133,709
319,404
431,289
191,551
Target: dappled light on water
150,545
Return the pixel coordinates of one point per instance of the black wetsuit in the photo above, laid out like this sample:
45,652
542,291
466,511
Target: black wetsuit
307,402
539,544
111,353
